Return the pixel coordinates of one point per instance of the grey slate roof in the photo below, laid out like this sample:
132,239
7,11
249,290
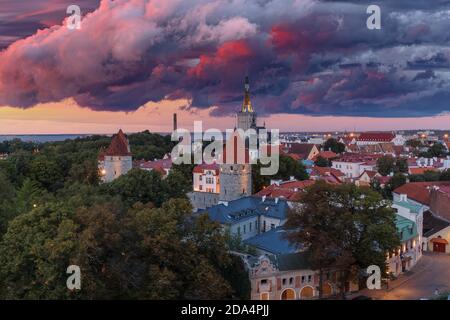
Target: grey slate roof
272,241
245,208
433,224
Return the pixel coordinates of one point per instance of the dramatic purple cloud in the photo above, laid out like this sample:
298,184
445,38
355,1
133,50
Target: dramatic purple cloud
302,56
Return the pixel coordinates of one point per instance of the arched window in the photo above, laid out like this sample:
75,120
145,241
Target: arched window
326,289
288,294
306,293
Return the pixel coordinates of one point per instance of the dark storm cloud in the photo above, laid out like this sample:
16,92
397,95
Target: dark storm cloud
302,56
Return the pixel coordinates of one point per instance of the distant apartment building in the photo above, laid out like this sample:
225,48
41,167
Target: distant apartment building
353,165
405,257
434,199
368,138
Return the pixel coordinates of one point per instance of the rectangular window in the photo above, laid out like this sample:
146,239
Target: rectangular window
284,282
309,278
303,279
272,226
244,228
239,230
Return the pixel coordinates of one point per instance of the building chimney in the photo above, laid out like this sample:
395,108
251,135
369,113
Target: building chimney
175,122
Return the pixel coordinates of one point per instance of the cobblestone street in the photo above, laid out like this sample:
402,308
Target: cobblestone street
431,272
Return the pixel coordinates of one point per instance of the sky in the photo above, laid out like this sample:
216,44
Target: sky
313,65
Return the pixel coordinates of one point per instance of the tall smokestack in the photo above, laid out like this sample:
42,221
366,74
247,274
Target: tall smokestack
174,122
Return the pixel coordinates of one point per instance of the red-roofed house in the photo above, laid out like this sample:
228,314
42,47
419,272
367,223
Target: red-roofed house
306,151
329,155
352,165
289,190
161,165
366,178
327,174
115,160
418,192
367,138
206,178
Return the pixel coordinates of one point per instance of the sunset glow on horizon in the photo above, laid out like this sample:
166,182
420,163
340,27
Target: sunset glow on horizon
312,65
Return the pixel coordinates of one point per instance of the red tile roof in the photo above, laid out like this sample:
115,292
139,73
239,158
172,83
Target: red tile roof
383,179
419,191
326,155
289,190
159,163
203,167
302,149
370,173
421,170
119,146
327,174
356,158
376,136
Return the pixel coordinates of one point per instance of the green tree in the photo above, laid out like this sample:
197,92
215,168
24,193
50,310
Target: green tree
288,168
437,150
34,254
385,165
7,195
322,162
139,186
445,175
396,181
344,229
401,165
333,145
28,196
47,173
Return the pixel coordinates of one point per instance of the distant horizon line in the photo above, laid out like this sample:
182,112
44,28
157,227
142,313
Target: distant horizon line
168,132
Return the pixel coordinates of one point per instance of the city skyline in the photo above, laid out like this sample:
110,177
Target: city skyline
313,65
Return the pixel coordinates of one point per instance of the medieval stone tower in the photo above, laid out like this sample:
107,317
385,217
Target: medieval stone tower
236,171
115,160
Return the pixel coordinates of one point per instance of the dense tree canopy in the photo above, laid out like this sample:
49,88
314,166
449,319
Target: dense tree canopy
344,228
389,165
133,238
333,145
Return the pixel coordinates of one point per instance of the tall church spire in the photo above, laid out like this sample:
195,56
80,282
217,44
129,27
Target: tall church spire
247,104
